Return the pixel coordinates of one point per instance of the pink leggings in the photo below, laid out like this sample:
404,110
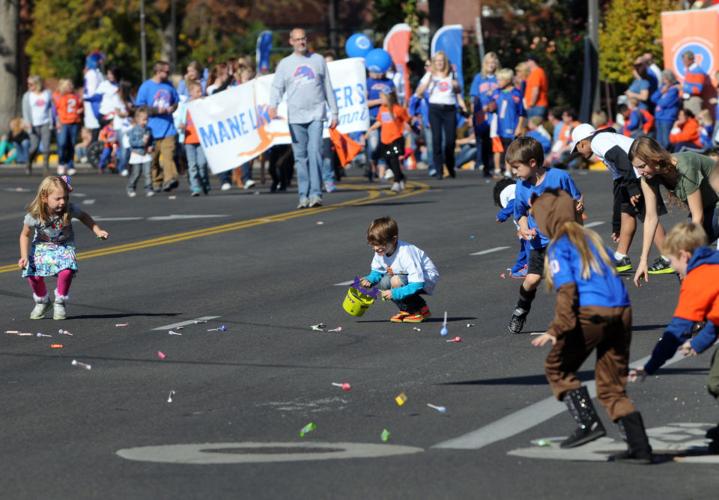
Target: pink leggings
64,280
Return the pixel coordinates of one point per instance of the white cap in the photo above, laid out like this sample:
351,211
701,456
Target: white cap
580,133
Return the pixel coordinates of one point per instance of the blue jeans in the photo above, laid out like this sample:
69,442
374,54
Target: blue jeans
663,131
245,171
66,139
197,168
328,171
135,170
540,111
22,151
307,149
467,153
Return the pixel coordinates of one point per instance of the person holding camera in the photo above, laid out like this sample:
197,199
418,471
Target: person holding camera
444,94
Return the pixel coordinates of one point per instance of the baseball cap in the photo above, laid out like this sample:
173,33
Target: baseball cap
580,133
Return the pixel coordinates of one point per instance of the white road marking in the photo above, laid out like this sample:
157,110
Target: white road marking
673,439
594,224
183,217
185,323
524,419
88,202
490,250
344,283
211,453
117,219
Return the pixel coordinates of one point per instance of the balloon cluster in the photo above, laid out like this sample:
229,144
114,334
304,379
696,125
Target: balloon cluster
376,60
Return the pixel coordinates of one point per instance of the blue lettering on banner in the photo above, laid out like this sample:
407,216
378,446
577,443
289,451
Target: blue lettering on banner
242,123
224,136
208,136
234,125
362,93
348,96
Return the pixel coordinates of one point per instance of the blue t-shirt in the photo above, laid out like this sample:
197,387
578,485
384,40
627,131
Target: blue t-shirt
603,289
481,90
158,95
542,139
649,83
554,179
374,89
510,107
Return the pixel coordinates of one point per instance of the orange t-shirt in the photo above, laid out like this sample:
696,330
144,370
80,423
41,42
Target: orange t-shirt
392,129
537,79
191,135
69,108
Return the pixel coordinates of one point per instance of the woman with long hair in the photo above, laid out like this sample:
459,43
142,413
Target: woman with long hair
686,177
483,85
444,95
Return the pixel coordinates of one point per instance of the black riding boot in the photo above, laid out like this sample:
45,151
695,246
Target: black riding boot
582,410
639,451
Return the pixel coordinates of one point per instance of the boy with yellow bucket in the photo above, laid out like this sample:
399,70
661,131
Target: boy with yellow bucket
401,271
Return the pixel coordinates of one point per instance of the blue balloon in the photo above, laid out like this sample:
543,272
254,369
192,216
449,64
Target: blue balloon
358,45
378,60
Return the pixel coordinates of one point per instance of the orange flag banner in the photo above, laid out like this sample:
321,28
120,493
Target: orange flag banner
345,147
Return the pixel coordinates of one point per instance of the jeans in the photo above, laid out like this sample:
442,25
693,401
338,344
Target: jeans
22,151
39,139
466,154
245,171
410,304
443,120
540,111
328,171
197,168
307,148
373,147
663,131
66,140
427,132
135,170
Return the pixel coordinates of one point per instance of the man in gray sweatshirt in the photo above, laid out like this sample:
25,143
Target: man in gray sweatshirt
304,78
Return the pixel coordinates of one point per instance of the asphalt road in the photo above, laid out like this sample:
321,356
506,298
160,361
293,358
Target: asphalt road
269,272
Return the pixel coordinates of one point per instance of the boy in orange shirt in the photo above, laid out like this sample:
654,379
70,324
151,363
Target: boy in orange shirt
68,107
693,329
393,120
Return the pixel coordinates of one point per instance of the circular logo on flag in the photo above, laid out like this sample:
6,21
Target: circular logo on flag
363,42
702,57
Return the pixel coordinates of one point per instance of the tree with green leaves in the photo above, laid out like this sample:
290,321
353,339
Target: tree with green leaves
630,28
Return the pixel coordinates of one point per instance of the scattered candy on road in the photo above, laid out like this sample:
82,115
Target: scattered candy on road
345,386
454,340
161,355
307,429
81,365
441,409
169,397
384,436
400,399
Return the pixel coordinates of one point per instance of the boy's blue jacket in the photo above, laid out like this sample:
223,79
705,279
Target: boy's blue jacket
680,329
506,212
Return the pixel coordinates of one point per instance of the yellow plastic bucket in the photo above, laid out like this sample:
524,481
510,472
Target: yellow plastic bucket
356,303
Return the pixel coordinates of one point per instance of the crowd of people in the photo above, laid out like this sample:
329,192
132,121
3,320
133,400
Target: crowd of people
654,142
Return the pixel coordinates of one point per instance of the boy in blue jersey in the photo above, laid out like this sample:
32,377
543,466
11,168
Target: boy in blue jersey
507,102
592,312
526,156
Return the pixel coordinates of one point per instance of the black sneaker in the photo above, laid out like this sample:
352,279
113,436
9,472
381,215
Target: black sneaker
519,317
169,186
624,264
661,266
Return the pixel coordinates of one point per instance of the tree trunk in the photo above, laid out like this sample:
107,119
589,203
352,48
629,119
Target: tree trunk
8,61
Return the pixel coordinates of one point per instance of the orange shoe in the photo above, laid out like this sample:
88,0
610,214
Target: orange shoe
413,318
399,317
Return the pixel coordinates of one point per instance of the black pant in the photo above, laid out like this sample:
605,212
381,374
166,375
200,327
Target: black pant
443,121
391,152
281,162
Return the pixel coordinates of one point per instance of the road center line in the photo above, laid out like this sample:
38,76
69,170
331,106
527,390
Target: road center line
490,250
594,224
524,419
185,323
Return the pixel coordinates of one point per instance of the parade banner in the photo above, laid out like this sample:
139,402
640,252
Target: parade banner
397,44
234,125
448,39
695,30
262,54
